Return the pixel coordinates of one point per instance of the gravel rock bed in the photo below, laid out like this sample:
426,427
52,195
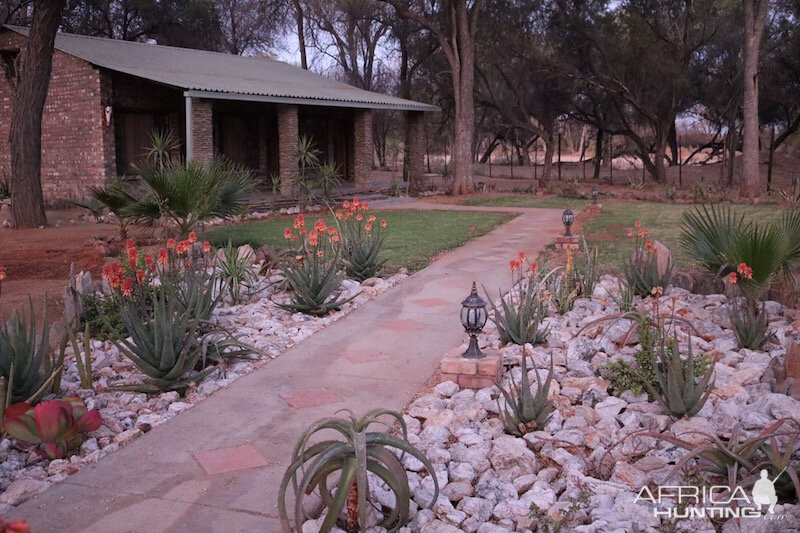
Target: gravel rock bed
128,415
577,473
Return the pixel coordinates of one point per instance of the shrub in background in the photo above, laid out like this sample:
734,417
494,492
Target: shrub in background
747,255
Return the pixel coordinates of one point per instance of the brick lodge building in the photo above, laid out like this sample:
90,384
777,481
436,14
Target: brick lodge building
107,96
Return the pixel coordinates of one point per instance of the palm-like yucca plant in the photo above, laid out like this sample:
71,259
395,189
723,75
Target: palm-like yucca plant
183,195
345,462
117,197
27,367
523,411
679,391
162,144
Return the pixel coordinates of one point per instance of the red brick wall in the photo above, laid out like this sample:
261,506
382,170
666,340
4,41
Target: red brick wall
77,149
203,129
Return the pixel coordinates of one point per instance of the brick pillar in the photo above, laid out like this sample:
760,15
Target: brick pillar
414,157
202,130
288,133
362,147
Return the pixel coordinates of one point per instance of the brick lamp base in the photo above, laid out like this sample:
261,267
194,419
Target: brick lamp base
594,209
471,373
572,243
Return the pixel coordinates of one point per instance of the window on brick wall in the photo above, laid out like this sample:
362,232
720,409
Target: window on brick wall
10,60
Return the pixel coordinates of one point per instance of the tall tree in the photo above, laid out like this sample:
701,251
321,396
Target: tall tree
349,33
454,24
27,201
755,16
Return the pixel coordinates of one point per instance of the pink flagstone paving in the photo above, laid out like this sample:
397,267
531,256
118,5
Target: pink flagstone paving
302,399
229,459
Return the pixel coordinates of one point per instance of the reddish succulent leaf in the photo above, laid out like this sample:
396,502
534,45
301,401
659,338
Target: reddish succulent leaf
88,422
51,450
20,423
53,419
15,526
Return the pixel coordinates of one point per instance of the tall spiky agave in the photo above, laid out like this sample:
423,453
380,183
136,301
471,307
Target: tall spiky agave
523,411
171,342
681,394
315,284
345,461
27,368
519,319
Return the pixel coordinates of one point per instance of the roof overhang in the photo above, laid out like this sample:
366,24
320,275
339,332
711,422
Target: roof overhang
240,97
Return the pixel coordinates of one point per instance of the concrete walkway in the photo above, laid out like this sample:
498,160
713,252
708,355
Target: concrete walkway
378,356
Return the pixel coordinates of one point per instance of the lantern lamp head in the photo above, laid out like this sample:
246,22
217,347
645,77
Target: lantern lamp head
473,318
595,194
567,218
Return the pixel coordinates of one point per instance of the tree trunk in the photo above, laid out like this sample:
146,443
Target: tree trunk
755,12
299,18
731,147
598,154
464,128
673,144
549,152
27,201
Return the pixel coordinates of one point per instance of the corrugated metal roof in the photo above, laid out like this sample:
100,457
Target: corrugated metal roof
220,75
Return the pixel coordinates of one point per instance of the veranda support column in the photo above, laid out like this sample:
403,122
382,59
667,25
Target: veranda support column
288,131
362,147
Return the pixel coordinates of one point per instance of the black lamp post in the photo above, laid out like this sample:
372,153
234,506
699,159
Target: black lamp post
473,318
567,218
595,194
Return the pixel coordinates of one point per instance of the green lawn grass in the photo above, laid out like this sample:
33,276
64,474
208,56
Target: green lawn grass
554,202
413,238
664,222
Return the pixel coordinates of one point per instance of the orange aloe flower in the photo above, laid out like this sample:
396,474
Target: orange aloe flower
163,257
192,237
732,278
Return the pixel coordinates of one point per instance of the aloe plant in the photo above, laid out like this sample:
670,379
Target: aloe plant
563,289
679,391
27,364
519,320
346,461
57,426
235,272
718,456
171,343
524,411
750,322
362,242
314,273
82,360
